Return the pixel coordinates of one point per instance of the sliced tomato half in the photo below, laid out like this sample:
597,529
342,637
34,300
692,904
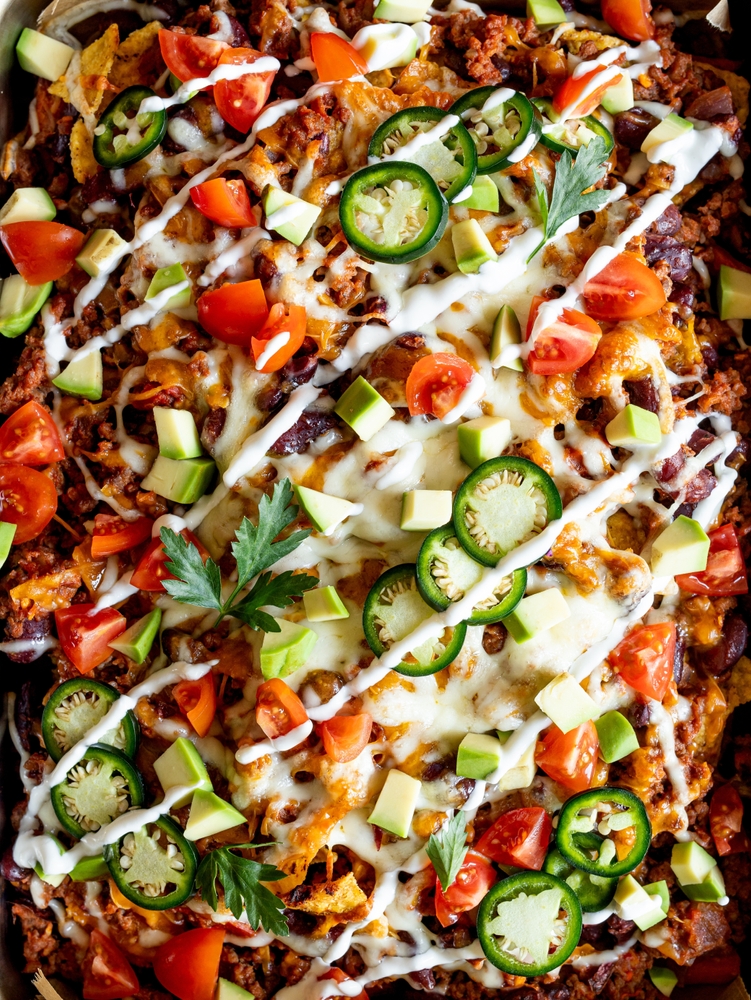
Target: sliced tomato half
569,758
107,973
467,891
241,101
726,822
41,251
85,636
645,658
225,202
340,976
197,700
280,337
189,57
335,58
625,289
726,572
564,346
234,313
278,709
572,99
630,18
30,437
151,570
436,383
28,499
113,534
188,965
519,837
345,736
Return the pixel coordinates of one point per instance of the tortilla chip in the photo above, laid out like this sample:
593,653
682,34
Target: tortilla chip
338,897
91,69
138,58
739,88
82,152
574,40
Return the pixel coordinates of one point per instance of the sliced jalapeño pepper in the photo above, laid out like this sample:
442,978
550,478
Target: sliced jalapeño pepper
100,787
571,135
393,609
392,212
594,892
604,831
529,924
155,867
504,124
450,158
77,705
124,136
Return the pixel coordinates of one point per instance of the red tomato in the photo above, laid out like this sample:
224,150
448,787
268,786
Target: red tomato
335,58
625,289
107,973
85,637
27,499
188,965
189,57
726,821
645,658
569,758
573,88
197,700
726,568
717,968
225,202
345,736
41,251
436,383
112,534
519,837
240,101
150,571
30,437
339,976
467,891
291,320
565,345
234,313
278,709
630,18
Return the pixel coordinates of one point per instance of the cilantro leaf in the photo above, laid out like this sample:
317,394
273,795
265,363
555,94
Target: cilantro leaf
448,849
241,880
255,549
278,591
196,583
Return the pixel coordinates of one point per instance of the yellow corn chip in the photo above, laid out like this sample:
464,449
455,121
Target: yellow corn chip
82,152
91,72
138,58
739,88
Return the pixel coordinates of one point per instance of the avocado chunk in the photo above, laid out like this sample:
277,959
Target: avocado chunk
484,197
180,481
19,304
364,409
181,764
619,96
177,433
672,127
683,547
661,891
396,804
691,863
43,56
546,13
482,438
616,735
285,651
102,252
472,248
225,990
83,377
566,703
537,613
709,890
165,278
324,605
323,511
506,331
90,869
478,756
28,205
406,11
136,641
734,293
664,980
633,428
7,534
210,815
634,903
385,46
521,775
287,215
423,510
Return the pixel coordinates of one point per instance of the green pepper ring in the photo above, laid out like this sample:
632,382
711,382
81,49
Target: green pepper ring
545,106
565,836
531,124
129,100
184,887
591,897
106,755
85,684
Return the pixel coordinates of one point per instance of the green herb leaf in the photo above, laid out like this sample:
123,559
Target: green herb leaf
196,583
448,849
278,592
255,549
241,881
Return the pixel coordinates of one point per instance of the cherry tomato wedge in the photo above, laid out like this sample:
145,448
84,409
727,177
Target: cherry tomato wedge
188,965
85,637
625,289
335,58
715,969
570,99
240,101
225,202
151,570
519,837
630,18
107,973
30,437
645,659
278,709
189,57
467,891
436,383
563,346
339,976
345,736
112,534
27,499
279,338
726,822
197,700
234,313
569,758
41,251
726,568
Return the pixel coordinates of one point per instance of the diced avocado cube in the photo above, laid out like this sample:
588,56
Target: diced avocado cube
364,409
661,891
484,197
28,205
7,534
483,438
53,880
472,248
664,980
691,863
683,547
385,46
546,13
83,377
734,293
102,251
566,703
619,96
323,511
324,605
287,215
43,56
423,510
177,433
520,776
709,890
225,990
180,481
136,642
634,427
633,903
672,127
406,11
478,756
537,613
285,651
165,278
182,765
90,869
19,304
504,735
616,735
210,815
506,331
396,804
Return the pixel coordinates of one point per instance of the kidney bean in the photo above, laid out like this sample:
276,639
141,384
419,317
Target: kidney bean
632,127
642,392
668,223
714,102
700,487
682,295
670,250
700,439
726,653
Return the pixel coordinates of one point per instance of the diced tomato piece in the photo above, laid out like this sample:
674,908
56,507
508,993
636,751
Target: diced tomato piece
28,499
726,568
625,289
564,346
41,251
340,976
113,534
519,837
285,326
30,437
569,758
571,99
467,891
234,313
630,18
190,57
436,383
107,973
197,700
225,202
714,969
151,570
188,965
345,736
85,636
726,821
645,659
335,58
241,101
278,709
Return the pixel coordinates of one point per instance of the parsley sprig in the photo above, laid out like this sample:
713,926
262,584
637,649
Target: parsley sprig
572,178
255,551
447,850
241,879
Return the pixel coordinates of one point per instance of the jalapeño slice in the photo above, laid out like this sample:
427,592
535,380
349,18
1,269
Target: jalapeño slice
445,573
100,787
393,609
74,708
604,831
571,135
124,136
529,924
594,891
155,867
504,128
392,212
501,504
450,159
